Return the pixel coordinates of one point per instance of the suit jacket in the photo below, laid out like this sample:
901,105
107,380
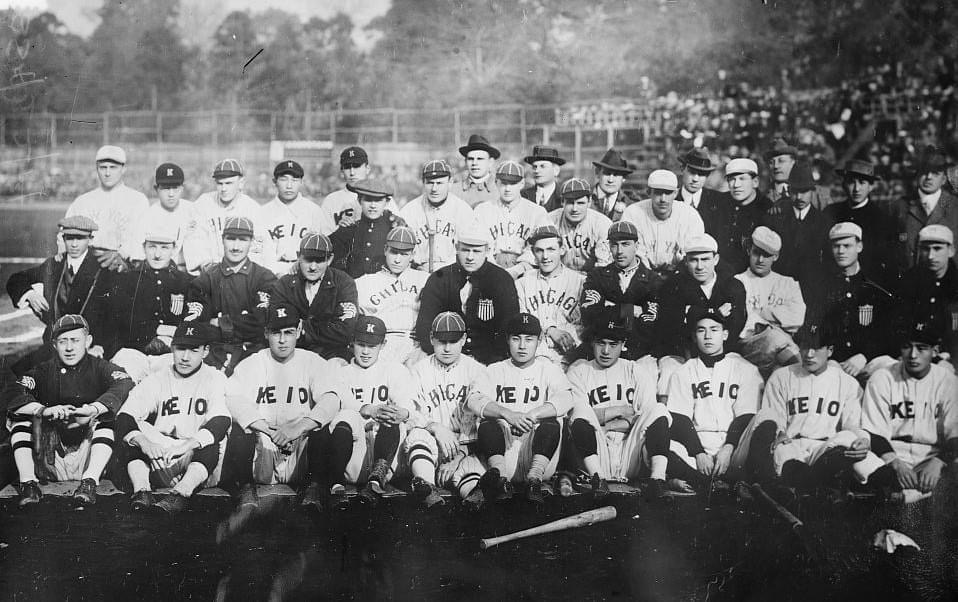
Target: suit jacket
708,199
143,299
552,203
879,257
911,218
615,213
602,298
328,320
731,225
681,292
805,249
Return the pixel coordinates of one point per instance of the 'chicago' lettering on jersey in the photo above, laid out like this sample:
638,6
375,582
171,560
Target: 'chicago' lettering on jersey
396,287
443,228
568,303
510,229
450,392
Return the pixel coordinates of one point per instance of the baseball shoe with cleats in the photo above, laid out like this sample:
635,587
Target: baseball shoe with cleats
426,492
534,492
600,487
141,500
313,497
174,503
30,494
680,488
338,498
85,495
248,495
655,489
495,487
377,476
475,499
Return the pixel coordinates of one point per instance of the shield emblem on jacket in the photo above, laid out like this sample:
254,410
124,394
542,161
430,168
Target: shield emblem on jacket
176,304
865,314
485,310
954,320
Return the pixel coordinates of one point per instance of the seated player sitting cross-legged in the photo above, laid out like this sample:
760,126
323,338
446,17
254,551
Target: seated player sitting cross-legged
522,400
173,424
61,413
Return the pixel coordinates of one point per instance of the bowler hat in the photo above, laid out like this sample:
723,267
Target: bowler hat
477,142
800,178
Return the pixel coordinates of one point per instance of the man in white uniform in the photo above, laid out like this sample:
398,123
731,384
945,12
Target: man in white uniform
584,230
172,213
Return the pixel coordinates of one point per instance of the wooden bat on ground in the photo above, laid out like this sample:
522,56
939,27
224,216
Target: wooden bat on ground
793,521
583,519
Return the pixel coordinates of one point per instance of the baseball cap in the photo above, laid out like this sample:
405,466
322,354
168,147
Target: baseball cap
473,234
169,174
288,167
510,172
921,332
370,330
663,179
227,168
314,245
546,231
623,230
936,233
77,224
739,166
69,322
697,313
437,168
523,323
352,156
282,316
812,336
574,188
844,230
111,153
371,188
401,238
238,226
160,233
192,334
767,240
448,326
611,328
703,243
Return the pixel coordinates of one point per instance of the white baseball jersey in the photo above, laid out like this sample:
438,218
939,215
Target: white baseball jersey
393,299
286,224
510,226
211,217
811,406
662,243
554,299
713,397
586,243
625,382
119,213
181,221
445,220
914,415
772,299
263,388
443,393
384,382
524,389
181,406
341,203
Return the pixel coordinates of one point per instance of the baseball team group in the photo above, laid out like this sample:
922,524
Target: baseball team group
506,333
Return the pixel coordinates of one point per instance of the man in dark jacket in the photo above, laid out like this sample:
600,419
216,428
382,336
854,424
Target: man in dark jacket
697,164
358,247
731,219
608,198
931,204
546,165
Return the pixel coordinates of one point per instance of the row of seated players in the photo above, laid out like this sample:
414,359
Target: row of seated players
288,416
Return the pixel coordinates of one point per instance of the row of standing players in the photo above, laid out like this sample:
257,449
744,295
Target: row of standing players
474,286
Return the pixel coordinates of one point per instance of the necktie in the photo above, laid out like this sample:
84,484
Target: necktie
63,295
784,189
540,197
464,293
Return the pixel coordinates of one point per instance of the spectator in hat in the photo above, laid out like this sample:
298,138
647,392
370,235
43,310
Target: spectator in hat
477,184
584,230
879,228
608,197
213,209
482,292
436,216
233,296
626,286
510,219
802,227
323,295
551,293
732,222
781,159
173,213
697,166
546,165
392,294
342,206
358,247
289,216
116,208
933,204
664,226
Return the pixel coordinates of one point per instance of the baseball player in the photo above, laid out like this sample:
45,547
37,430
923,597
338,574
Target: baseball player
551,293
323,295
392,294
617,426
665,227
289,216
477,185
173,422
584,230
436,216
342,206
233,296
172,213
116,208
546,165
712,399
441,450
60,415
362,439
358,247
279,398
522,402
911,412
510,219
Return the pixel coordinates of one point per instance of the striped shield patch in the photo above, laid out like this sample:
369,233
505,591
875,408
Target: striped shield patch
485,310
176,304
865,314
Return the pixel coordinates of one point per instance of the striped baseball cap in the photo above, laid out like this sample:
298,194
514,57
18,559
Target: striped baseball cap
238,226
510,172
546,231
69,322
227,168
574,188
401,238
437,168
448,326
623,230
315,245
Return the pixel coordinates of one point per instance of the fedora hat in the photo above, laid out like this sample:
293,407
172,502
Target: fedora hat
857,167
613,161
477,142
544,153
698,159
931,159
780,147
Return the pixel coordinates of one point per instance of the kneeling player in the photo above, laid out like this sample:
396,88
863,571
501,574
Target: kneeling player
911,412
173,423
616,397
71,398
363,438
712,399
441,450
279,397
816,408
520,431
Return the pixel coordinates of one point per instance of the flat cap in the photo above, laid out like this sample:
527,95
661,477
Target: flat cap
936,233
238,226
192,334
160,233
448,326
740,166
288,167
546,231
844,230
523,323
767,240
111,153
401,238
663,179
510,172
369,329
703,243
69,322
437,168
227,168
623,230
472,234
574,188
169,174
314,244
371,188
282,316
77,224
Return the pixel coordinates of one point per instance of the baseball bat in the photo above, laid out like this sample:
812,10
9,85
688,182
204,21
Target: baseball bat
793,521
583,519
432,246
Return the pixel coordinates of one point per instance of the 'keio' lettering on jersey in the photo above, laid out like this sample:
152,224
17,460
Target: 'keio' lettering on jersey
293,394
